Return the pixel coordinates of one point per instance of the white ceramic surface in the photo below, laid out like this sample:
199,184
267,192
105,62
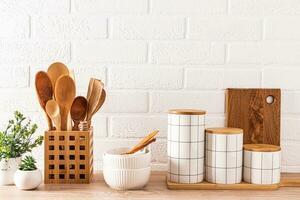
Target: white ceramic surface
185,148
261,167
114,160
224,158
28,180
126,179
7,170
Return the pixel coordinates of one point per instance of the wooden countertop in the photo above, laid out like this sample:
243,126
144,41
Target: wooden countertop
156,189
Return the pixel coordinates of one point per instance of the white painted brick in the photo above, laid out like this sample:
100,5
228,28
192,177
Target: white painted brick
214,121
282,28
221,79
266,53
264,7
148,27
125,102
83,73
146,78
138,126
284,78
111,51
25,51
290,102
34,6
114,6
212,102
20,99
70,26
100,126
159,151
189,6
14,26
290,129
225,28
187,53
14,76
290,154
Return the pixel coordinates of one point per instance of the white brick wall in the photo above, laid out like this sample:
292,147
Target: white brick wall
153,55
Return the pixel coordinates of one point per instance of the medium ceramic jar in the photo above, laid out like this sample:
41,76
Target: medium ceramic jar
186,145
261,164
224,155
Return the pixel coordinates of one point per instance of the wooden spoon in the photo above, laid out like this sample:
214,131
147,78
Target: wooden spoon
44,91
52,109
57,70
65,93
101,101
94,98
78,111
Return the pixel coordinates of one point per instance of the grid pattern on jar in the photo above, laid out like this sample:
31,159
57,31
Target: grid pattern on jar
261,167
68,157
185,148
223,158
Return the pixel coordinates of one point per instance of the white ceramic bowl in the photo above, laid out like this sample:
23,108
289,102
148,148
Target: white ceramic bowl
114,160
126,179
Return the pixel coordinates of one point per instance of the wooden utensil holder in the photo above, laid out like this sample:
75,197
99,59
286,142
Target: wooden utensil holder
68,157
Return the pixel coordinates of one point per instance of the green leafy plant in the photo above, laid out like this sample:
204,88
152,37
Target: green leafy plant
17,138
28,164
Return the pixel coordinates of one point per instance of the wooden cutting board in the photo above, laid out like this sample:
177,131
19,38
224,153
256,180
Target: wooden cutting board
254,112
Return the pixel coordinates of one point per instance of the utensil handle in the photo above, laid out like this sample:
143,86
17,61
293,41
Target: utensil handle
49,122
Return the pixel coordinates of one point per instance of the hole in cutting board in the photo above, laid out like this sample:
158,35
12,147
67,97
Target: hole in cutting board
270,99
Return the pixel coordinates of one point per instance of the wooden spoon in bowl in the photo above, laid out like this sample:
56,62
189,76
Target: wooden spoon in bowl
52,109
78,111
44,92
65,93
55,71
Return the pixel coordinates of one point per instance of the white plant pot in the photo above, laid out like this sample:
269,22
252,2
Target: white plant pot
8,167
28,180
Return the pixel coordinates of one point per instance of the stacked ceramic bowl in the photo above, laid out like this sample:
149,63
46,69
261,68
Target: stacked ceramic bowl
124,172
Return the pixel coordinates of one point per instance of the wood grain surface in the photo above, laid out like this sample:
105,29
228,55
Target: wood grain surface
155,190
248,109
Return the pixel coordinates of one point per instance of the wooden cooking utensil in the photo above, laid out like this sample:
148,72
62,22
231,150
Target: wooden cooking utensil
101,101
44,92
78,111
257,112
143,143
65,94
56,70
90,88
52,109
94,99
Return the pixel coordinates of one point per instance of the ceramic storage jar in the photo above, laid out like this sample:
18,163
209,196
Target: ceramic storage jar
261,164
186,145
224,155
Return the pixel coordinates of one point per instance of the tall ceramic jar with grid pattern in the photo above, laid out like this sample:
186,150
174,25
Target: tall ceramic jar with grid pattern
186,145
224,155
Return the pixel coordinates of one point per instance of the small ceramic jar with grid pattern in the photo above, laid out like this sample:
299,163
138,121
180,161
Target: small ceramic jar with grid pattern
261,164
224,155
186,145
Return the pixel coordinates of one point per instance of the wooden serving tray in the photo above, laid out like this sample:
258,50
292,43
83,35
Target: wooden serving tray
287,180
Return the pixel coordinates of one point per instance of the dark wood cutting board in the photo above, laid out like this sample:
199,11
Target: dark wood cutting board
248,109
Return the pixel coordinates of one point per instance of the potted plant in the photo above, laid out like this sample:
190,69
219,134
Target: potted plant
28,176
16,140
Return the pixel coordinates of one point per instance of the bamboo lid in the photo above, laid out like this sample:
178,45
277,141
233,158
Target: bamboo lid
224,130
261,147
187,112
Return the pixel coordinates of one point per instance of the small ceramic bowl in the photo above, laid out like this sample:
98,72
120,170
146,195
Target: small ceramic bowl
114,160
126,179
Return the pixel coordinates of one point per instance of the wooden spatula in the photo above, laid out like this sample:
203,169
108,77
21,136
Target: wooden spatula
101,101
65,93
57,70
78,111
94,98
90,88
52,109
44,92
143,143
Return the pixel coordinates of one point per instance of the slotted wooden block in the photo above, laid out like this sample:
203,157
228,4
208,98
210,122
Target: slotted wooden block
248,109
68,157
